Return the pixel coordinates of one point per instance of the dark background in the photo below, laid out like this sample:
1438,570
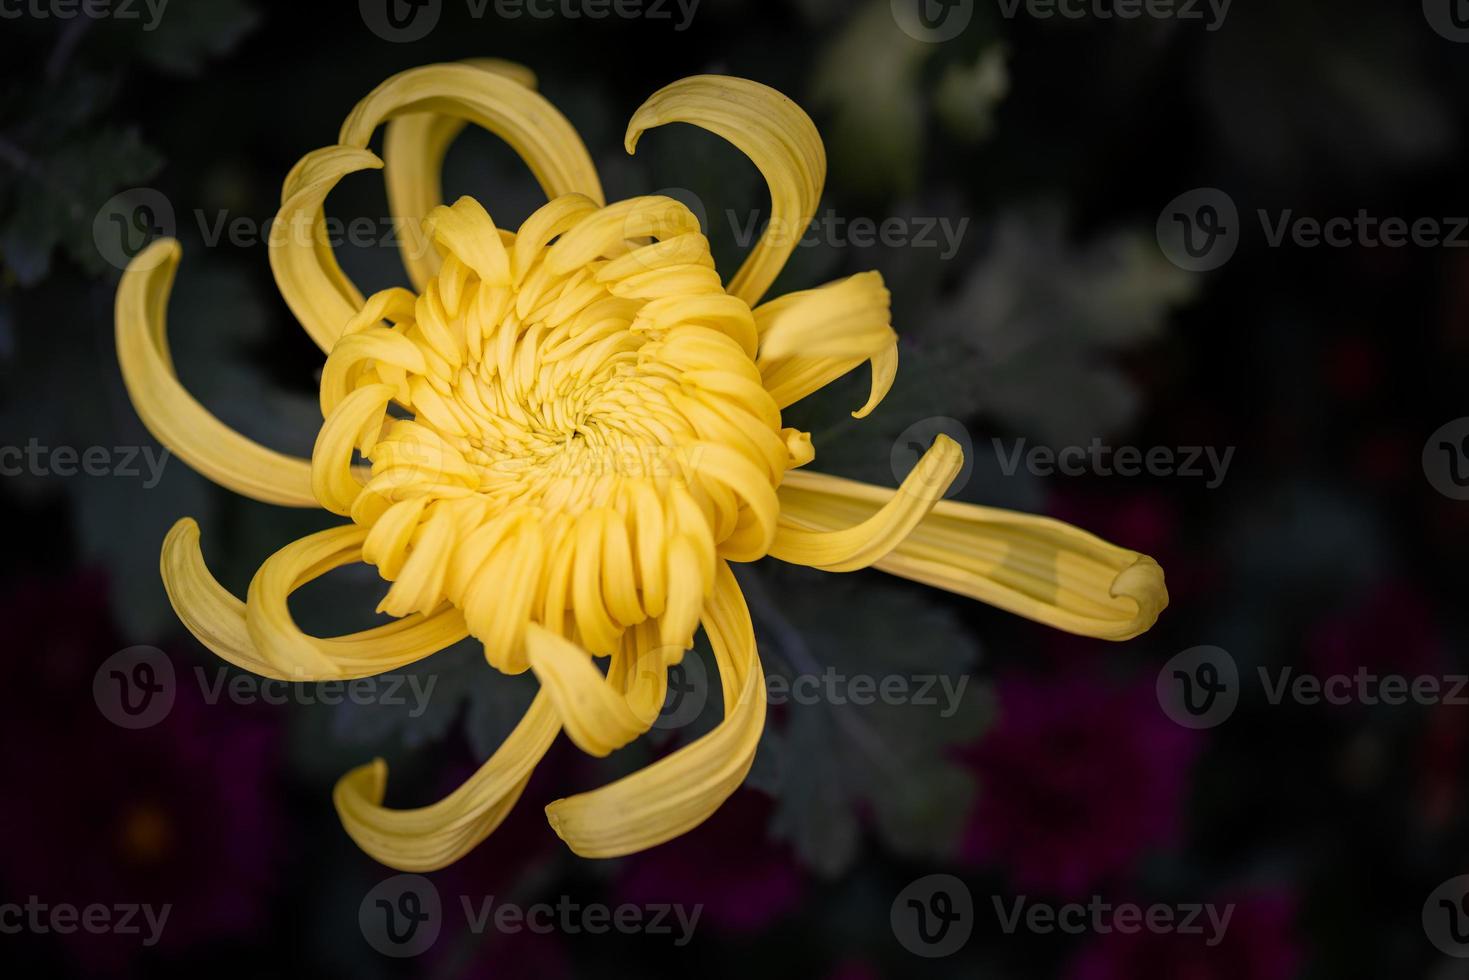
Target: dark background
1326,547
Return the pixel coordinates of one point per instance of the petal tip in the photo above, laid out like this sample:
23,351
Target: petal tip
947,443
630,141
368,782
165,252
553,817
180,538
1143,583
184,525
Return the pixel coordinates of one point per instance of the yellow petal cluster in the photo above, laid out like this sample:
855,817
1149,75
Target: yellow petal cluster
558,439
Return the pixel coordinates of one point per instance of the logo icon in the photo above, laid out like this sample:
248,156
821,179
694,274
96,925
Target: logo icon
664,222
688,692
401,916
417,455
916,440
1446,917
134,688
1199,230
1199,688
1446,459
689,200
128,222
933,916
1449,18
400,21
933,21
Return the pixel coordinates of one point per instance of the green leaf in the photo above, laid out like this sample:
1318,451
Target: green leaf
1043,319
827,756
58,193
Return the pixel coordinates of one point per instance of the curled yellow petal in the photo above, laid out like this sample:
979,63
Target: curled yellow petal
596,716
499,571
639,669
721,466
431,837
505,106
1036,567
680,791
376,347
414,146
217,620
332,479
810,338
278,640
685,597
726,314
301,255
849,317
305,267
607,231
420,583
174,417
861,545
549,221
777,136
466,229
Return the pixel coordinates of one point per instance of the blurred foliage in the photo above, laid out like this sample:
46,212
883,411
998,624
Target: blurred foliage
1038,313
830,762
874,85
60,140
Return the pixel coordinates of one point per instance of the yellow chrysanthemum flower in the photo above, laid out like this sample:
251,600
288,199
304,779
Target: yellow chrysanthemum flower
571,430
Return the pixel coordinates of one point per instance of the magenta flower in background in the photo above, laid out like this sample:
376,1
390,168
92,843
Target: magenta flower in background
1390,630
521,955
854,969
1441,756
1258,943
1078,779
181,813
744,881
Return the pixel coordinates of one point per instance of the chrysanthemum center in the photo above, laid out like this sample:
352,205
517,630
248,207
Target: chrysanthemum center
566,412
580,428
